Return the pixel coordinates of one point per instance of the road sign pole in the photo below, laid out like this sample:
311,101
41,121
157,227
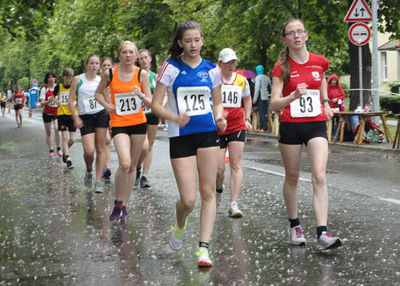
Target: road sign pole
360,75
375,73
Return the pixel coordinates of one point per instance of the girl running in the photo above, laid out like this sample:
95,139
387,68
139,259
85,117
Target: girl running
194,109
50,113
18,101
92,120
3,102
144,61
299,77
106,64
129,87
234,88
65,120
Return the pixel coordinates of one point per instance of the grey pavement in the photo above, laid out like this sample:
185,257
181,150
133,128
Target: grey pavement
54,231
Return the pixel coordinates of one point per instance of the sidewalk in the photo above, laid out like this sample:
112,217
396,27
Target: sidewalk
384,147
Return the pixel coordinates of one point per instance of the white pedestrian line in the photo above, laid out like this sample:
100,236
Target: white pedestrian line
274,173
390,200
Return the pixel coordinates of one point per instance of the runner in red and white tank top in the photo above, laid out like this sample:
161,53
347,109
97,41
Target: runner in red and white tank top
50,106
299,77
235,88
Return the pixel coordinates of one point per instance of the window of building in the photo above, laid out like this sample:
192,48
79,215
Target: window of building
384,68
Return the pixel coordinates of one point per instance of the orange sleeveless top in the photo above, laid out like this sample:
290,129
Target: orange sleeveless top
129,110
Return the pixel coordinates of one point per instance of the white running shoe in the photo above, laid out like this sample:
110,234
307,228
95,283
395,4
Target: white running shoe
175,237
203,259
234,210
296,236
327,241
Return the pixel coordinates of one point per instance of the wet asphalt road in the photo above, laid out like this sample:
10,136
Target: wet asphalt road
54,231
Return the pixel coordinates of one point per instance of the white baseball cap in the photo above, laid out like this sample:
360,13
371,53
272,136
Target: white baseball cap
226,55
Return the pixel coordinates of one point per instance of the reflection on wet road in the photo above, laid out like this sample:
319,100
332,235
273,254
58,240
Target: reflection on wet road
54,231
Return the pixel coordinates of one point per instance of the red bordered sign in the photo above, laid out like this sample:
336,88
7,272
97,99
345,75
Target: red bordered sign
359,34
358,12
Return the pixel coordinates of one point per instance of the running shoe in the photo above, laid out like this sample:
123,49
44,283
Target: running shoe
88,179
220,191
175,237
69,164
116,213
144,183
64,158
234,210
107,175
203,259
51,155
125,215
327,241
296,236
59,153
98,187
138,172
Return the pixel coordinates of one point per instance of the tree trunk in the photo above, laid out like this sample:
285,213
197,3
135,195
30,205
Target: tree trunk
355,75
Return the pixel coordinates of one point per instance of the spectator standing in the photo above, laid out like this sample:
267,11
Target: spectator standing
262,90
335,91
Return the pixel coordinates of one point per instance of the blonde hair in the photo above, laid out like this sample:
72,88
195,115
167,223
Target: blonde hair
126,44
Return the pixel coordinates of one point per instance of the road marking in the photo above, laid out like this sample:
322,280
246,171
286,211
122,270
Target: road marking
390,200
275,173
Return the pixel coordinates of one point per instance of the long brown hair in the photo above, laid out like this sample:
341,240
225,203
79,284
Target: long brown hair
284,54
175,50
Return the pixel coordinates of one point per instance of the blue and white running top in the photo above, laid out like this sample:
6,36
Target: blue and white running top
189,91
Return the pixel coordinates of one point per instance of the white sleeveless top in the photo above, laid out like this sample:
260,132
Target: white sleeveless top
87,104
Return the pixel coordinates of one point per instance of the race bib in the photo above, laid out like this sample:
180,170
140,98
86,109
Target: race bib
91,105
127,103
18,100
308,105
63,96
194,100
231,95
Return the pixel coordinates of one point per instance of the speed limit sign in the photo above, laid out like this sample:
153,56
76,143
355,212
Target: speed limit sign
359,34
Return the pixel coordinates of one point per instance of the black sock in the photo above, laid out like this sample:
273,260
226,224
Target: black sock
204,244
294,222
51,150
118,203
320,229
58,148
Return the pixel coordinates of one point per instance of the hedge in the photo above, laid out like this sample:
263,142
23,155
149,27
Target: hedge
390,103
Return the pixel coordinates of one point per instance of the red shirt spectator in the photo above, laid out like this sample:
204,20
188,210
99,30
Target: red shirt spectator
335,91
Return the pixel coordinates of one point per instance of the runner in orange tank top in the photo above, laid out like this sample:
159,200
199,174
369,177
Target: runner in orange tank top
129,87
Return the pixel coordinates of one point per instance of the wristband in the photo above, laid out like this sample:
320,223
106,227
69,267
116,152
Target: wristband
218,120
142,96
248,120
326,100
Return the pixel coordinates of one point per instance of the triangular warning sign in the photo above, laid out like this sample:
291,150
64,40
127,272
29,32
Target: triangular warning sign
358,12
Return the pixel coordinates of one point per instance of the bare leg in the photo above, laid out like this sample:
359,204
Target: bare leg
151,136
235,165
318,156
291,160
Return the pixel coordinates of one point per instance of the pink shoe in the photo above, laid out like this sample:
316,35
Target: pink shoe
51,155
60,153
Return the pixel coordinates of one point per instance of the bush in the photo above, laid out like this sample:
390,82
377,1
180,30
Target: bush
390,103
394,87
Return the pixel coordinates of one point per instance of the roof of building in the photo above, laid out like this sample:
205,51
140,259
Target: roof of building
390,46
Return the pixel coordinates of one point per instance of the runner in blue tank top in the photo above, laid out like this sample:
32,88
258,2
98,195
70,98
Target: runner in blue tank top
194,111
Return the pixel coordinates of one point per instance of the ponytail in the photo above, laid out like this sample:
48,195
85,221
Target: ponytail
285,64
175,50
